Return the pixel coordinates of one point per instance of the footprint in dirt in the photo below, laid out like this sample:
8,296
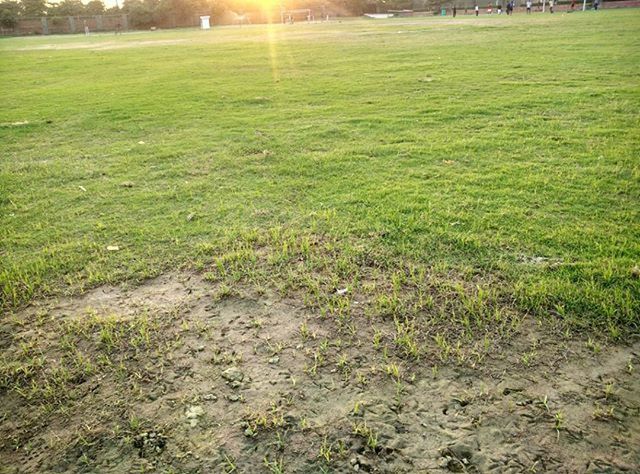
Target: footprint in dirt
462,457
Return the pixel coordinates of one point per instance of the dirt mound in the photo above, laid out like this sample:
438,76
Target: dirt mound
181,375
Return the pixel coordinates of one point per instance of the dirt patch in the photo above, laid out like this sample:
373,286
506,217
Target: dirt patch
102,46
181,374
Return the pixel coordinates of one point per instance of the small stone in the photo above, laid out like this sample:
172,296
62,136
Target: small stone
194,412
199,348
127,184
234,398
233,374
210,397
341,291
274,360
364,463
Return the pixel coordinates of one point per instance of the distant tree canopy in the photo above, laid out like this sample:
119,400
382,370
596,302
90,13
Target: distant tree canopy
94,7
144,13
66,8
34,7
10,11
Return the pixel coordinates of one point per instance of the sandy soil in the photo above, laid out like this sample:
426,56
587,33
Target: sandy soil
253,383
102,46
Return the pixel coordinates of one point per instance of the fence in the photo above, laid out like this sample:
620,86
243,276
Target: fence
67,24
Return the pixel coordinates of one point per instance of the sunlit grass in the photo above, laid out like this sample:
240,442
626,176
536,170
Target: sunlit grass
497,152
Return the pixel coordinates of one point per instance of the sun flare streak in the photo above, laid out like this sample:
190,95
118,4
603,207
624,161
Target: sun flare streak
273,50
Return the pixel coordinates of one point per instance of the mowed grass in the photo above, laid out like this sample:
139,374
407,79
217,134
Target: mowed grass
497,154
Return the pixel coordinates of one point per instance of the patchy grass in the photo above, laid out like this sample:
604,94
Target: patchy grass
351,223
489,163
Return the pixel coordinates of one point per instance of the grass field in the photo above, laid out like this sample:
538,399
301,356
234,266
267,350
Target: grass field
480,147
460,174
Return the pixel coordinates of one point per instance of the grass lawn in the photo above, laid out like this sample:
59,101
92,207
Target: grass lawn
496,158
381,246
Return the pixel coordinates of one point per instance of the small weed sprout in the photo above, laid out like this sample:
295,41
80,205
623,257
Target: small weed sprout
393,370
358,408
593,346
324,346
559,422
304,423
545,403
326,450
527,358
276,348
603,414
134,423
257,323
364,431
608,390
377,338
444,346
343,364
274,467
304,331
229,464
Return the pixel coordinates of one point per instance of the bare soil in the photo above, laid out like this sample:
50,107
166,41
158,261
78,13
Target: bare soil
102,46
179,375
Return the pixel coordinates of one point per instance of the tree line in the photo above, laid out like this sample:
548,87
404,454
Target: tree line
147,12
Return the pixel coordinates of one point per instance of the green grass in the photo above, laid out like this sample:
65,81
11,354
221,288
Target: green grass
494,153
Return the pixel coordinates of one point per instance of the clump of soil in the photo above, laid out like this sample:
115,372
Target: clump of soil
179,374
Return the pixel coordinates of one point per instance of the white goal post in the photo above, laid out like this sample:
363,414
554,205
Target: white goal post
289,16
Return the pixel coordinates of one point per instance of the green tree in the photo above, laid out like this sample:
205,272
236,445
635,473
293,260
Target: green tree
94,7
9,13
141,14
181,10
69,8
31,8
